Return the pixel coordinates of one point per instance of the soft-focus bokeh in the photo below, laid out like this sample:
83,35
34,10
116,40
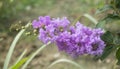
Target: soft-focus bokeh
16,13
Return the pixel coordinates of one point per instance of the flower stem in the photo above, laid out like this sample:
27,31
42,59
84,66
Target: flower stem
34,54
11,49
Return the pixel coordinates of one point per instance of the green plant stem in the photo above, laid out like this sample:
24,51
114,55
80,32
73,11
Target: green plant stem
19,59
91,18
34,54
21,56
11,49
77,19
67,61
86,16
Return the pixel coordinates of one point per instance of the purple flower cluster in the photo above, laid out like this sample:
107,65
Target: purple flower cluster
81,40
49,29
75,40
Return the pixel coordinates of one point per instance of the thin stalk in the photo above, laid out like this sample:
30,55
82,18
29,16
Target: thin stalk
33,55
21,56
91,18
11,49
67,61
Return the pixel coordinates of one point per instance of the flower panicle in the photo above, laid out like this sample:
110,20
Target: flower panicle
74,40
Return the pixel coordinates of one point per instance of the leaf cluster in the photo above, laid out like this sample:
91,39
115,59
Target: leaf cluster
112,40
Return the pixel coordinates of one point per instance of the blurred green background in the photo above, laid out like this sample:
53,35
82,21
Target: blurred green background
15,13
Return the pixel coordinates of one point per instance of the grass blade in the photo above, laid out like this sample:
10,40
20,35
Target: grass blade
19,59
21,56
9,54
65,60
19,64
91,18
33,55
87,16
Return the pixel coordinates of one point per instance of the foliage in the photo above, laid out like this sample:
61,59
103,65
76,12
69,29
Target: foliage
11,49
33,55
21,61
112,40
19,64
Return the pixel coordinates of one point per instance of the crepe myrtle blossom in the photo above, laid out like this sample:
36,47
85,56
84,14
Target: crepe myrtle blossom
74,40
41,22
50,28
81,40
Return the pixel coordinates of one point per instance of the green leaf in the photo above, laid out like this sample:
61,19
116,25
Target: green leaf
117,39
108,19
101,24
19,64
107,51
21,56
112,17
107,37
105,8
118,56
110,47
